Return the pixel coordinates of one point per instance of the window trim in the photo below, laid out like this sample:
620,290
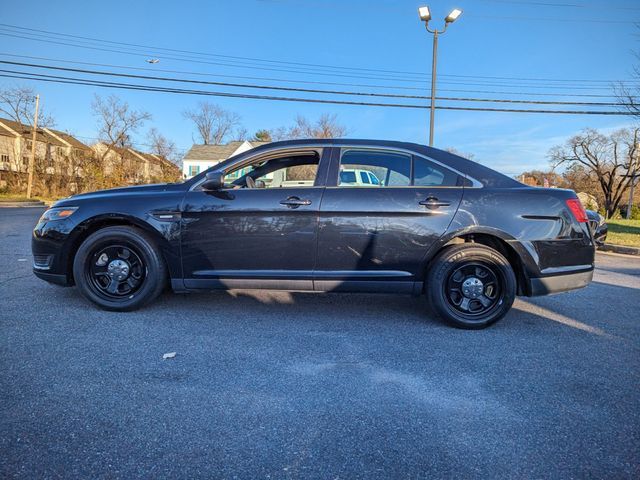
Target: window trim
330,161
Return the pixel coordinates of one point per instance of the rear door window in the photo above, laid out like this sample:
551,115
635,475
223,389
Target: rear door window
370,168
429,174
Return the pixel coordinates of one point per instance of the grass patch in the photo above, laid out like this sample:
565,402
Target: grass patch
624,232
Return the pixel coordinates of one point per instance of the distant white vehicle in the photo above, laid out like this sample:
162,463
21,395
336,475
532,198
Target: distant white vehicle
153,60
358,177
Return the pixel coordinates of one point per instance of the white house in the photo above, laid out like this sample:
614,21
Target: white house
201,157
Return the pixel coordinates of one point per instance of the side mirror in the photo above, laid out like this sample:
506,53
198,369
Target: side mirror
214,181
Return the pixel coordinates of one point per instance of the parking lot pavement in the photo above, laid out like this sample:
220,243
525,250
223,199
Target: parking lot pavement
287,385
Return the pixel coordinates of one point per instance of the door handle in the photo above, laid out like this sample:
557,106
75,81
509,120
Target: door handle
433,202
295,202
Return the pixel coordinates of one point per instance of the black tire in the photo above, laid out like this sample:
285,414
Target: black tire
470,286
128,253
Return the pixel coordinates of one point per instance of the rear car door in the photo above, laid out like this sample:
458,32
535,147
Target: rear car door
374,236
260,230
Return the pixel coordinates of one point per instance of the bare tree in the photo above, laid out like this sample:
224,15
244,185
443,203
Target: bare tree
241,134
469,156
214,124
609,158
162,146
629,98
116,122
19,104
327,126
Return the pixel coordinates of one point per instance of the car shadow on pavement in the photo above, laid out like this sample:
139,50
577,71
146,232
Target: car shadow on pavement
570,312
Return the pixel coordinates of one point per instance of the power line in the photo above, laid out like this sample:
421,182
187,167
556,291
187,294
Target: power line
554,4
551,19
307,71
254,59
306,82
293,89
126,86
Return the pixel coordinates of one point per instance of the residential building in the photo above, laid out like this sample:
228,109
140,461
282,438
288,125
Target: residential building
57,153
66,162
201,157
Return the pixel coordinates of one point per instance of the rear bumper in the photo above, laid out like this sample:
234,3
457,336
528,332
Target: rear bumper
559,283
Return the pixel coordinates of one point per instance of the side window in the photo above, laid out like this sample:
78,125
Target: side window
370,168
281,172
429,174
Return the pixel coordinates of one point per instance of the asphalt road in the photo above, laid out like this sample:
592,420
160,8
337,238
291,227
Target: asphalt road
282,385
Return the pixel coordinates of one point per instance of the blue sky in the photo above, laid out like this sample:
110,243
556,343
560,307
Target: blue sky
588,41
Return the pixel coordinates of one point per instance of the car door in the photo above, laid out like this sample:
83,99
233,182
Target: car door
260,230
375,236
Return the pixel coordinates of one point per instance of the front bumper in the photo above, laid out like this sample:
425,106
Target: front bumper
559,283
56,278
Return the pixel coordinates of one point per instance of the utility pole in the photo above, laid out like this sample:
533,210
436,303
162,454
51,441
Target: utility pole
634,172
32,158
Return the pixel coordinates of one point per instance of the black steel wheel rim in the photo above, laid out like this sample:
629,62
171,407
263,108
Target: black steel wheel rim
116,271
474,289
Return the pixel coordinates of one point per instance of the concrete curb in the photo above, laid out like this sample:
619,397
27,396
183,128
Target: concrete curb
35,203
623,249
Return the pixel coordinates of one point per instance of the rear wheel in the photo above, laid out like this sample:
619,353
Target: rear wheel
470,286
119,268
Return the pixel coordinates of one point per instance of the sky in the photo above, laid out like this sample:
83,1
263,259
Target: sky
537,49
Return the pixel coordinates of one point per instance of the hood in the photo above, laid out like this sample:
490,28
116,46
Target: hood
111,192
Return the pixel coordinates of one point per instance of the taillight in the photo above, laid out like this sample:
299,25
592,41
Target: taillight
577,209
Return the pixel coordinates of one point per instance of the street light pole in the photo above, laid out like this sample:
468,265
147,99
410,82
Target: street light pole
433,86
425,16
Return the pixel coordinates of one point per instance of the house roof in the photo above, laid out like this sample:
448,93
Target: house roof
137,154
217,152
25,131
73,141
42,135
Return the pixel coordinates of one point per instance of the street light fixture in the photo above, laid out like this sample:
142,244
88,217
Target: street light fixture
453,16
425,16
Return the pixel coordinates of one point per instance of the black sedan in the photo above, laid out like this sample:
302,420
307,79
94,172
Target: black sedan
325,215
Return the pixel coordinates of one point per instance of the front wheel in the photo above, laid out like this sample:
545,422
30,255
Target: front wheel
119,268
470,285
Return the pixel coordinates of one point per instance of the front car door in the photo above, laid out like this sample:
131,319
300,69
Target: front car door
260,230
375,230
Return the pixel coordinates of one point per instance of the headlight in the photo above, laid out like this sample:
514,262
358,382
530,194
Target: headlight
58,213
